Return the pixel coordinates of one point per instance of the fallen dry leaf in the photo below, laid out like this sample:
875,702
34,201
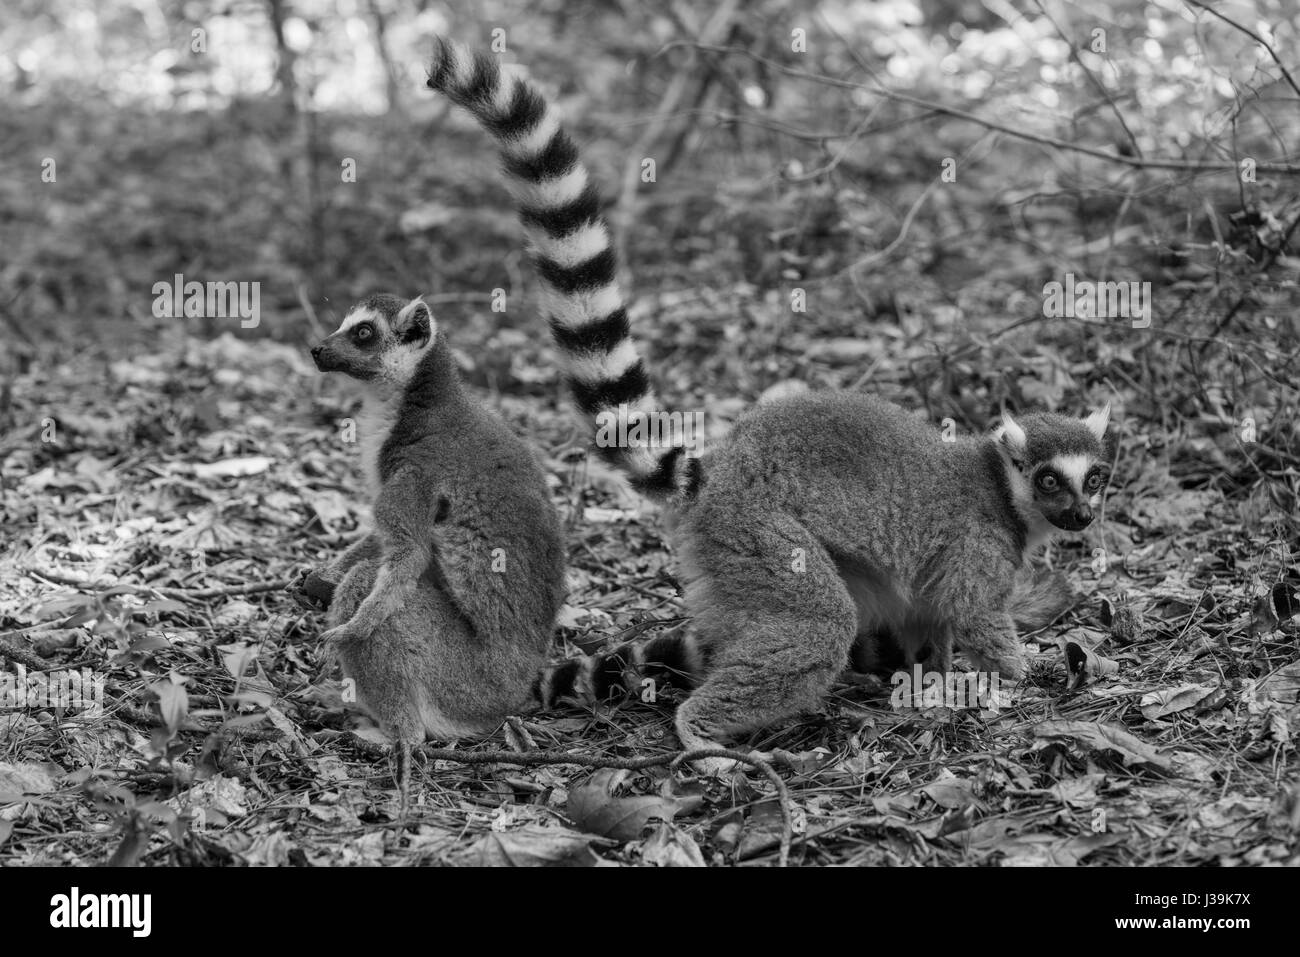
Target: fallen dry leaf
1083,665
1158,704
669,846
536,847
1049,850
19,779
1080,792
595,808
1105,737
952,793
232,468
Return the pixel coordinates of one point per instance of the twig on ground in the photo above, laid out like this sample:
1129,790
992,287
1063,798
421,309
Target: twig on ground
531,758
22,657
180,594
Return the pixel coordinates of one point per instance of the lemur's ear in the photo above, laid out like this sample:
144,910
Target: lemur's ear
1011,436
414,323
1097,422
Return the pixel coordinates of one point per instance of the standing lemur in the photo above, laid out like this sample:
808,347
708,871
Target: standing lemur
442,616
823,523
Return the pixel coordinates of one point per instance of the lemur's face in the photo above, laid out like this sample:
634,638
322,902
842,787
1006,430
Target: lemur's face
380,341
1062,464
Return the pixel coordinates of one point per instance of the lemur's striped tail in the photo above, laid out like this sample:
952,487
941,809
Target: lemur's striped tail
569,239
634,667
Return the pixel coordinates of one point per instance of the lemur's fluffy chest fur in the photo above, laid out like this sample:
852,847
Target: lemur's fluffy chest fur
1038,530
379,412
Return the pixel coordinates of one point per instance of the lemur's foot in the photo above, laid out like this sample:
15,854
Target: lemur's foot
717,767
311,591
1008,663
720,767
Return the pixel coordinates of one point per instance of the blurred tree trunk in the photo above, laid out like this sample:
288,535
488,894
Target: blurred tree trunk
284,66
392,83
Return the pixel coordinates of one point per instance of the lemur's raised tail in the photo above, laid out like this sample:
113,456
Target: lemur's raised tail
571,249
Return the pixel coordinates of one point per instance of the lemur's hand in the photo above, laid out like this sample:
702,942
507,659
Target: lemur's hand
311,591
340,635
357,628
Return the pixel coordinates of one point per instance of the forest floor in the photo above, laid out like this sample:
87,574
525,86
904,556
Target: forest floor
158,490
179,487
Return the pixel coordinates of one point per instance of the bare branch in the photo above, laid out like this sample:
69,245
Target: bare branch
1253,35
1101,87
1184,166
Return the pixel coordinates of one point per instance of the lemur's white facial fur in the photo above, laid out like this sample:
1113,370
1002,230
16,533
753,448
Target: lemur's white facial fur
1056,467
379,342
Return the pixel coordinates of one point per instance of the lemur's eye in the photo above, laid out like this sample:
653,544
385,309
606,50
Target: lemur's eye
1048,482
363,331
1094,482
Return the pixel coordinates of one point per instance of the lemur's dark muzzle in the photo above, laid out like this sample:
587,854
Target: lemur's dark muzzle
323,359
1077,518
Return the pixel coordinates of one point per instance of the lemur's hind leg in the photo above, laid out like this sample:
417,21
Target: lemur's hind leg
314,588
397,576
352,589
980,627
991,643
389,670
357,583
776,621
973,604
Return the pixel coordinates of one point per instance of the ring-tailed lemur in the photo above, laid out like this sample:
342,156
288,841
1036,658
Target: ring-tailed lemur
824,520
444,614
